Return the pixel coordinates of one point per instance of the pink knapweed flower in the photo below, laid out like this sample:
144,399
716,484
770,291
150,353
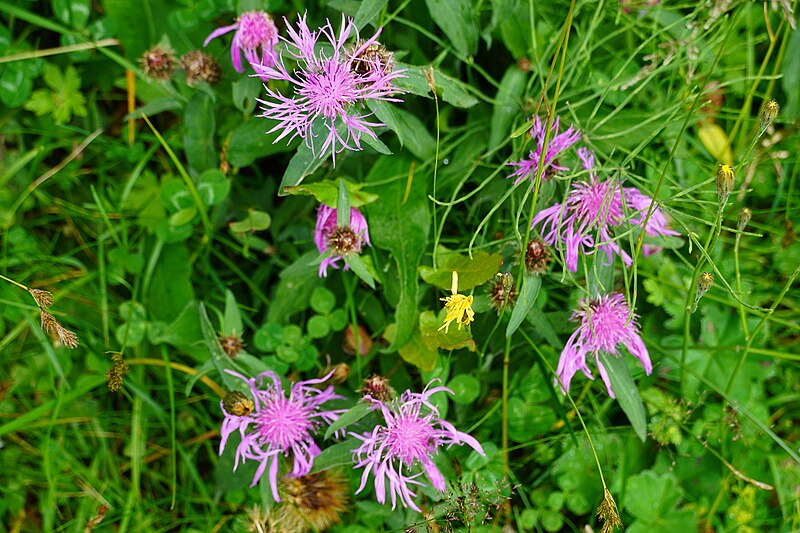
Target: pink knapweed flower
606,323
341,241
592,210
528,168
254,30
330,85
412,435
279,425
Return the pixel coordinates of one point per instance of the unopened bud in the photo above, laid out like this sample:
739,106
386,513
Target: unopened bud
237,404
158,63
769,112
349,342
726,179
537,257
378,388
704,283
744,218
338,374
501,292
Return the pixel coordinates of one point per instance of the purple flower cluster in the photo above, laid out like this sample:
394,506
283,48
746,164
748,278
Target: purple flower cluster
255,32
605,323
330,81
274,424
559,142
593,209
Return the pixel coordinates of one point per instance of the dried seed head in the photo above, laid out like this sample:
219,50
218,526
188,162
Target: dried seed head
349,342
158,63
340,373
237,404
49,322
199,66
524,64
343,241
43,298
231,345
373,58
769,112
537,257
726,179
314,501
66,337
607,512
117,371
744,218
378,388
704,283
502,293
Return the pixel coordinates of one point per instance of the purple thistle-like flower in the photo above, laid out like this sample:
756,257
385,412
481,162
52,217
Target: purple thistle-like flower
412,434
279,425
254,30
329,85
585,221
341,241
528,168
606,323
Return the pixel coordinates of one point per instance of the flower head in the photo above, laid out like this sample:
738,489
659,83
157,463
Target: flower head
591,212
313,502
254,30
606,322
199,66
330,84
158,62
341,241
529,168
277,424
412,435
458,306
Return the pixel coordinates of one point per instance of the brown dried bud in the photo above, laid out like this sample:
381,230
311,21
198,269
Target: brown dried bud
231,345
338,374
502,293
158,63
43,298
537,257
343,241
373,58
378,388
66,337
199,66
49,322
313,502
237,404
349,342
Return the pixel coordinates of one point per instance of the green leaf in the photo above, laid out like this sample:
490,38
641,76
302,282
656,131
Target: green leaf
414,351
453,91
336,455
327,192
471,272
358,266
508,105
626,391
213,186
171,288
244,92
454,339
254,221
401,228
367,11
527,297
198,132
232,318
351,416
322,300
410,130
318,327
456,18
303,163
73,13
183,216
652,498
377,144
343,206
465,388
250,141
601,275
297,281
218,355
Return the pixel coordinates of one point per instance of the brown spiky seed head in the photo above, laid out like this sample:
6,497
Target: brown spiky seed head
231,345
237,404
349,341
49,322
66,337
373,58
704,282
607,512
343,241
316,501
537,257
378,388
501,294
117,371
43,298
199,66
158,62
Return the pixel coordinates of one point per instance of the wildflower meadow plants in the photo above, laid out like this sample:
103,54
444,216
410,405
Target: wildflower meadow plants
340,267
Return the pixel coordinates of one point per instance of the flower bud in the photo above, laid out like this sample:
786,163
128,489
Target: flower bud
726,179
199,66
537,257
158,63
744,218
704,283
769,112
237,404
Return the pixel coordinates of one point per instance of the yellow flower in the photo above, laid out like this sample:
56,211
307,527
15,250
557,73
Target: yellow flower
458,306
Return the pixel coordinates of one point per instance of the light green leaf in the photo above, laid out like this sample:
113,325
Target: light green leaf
465,388
414,351
454,339
527,297
367,11
626,391
351,416
453,91
358,266
471,272
213,186
232,318
254,221
327,192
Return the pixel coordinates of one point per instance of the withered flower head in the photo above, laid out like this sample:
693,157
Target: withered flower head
314,501
343,241
43,298
231,345
158,63
56,331
199,66
769,112
537,257
502,293
372,58
607,511
704,283
117,371
378,388
237,404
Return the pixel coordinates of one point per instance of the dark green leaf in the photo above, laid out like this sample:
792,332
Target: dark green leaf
626,391
351,416
198,136
453,91
465,388
410,130
343,206
367,11
336,455
456,18
359,267
213,186
250,141
527,297
508,105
